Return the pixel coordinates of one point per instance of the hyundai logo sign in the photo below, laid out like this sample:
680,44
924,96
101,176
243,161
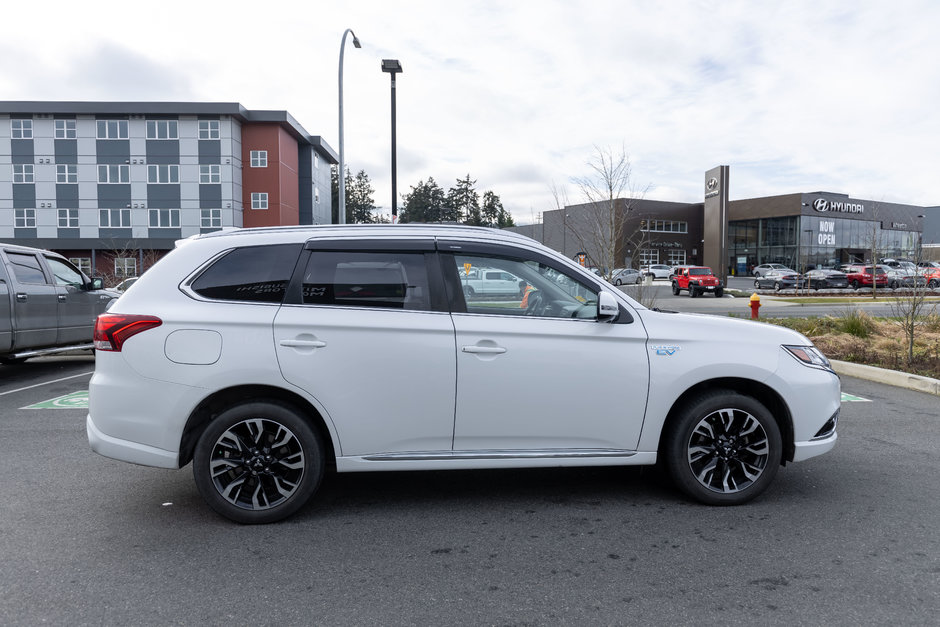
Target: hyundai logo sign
711,187
823,205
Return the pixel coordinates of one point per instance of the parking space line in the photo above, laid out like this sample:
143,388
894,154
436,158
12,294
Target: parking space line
30,387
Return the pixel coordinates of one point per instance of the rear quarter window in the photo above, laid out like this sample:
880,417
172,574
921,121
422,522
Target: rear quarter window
255,274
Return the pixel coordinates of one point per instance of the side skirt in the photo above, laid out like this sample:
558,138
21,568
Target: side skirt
477,460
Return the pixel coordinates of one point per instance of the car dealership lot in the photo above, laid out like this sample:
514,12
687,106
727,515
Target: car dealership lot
850,537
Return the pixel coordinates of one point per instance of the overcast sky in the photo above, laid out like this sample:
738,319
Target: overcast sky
794,96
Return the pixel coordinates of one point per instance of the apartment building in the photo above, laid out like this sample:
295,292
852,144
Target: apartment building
113,185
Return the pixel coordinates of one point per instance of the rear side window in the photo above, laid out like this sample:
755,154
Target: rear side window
255,274
26,268
395,280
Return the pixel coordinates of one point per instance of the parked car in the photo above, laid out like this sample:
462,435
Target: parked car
657,270
778,280
903,276
47,305
764,268
861,276
825,278
490,282
126,283
628,276
697,280
932,276
262,355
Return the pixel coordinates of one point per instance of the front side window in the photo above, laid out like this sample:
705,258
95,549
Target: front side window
162,129
259,158
66,173
514,287
257,274
114,174
114,218
21,129
209,129
163,174
112,129
259,200
64,274
210,174
391,280
68,218
65,129
24,218
164,218
23,173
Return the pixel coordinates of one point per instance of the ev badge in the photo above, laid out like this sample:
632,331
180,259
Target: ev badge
665,350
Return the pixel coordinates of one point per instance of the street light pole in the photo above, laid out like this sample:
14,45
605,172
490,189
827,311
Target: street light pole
393,67
341,218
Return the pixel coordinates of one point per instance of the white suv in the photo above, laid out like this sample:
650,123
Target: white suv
263,355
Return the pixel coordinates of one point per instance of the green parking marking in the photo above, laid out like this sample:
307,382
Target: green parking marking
848,398
75,400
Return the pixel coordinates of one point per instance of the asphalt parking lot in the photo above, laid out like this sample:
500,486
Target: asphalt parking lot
847,538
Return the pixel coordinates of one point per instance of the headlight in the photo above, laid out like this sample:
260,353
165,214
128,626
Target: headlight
810,356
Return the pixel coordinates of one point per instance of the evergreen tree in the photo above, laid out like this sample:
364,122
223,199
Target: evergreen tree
463,203
494,215
360,206
425,203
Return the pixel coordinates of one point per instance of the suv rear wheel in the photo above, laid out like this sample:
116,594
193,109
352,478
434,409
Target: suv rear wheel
258,462
724,449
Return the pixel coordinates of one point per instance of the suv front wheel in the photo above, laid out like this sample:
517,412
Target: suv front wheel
724,449
258,462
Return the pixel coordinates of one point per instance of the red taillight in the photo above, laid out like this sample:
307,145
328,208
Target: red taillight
112,330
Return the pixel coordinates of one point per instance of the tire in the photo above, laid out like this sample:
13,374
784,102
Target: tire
12,361
719,292
933,283
777,286
855,284
675,289
693,293
469,291
727,468
894,285
756,285
617,282
258,450
639,280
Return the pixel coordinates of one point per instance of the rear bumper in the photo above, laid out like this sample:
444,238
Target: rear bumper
128,451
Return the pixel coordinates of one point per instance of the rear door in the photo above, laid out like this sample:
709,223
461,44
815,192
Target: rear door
35,306
366,332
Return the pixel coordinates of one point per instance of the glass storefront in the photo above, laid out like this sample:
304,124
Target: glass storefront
801,242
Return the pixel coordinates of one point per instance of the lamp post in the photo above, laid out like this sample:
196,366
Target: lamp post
341,218
393,67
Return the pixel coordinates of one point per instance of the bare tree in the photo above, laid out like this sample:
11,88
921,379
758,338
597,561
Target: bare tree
600,225
910,307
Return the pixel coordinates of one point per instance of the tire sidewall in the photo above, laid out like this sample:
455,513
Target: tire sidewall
675,446
310,442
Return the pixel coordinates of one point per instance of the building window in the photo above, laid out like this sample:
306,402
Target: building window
259,200
209,129
112,129
316,195
65,129
649,256
21,129
125,266
664,226
114,218
316,161
210,174
82,263
211,219
68,218
23,173
163,174
163,129
66,173
676,258
259,158
164,218
24,218
114,174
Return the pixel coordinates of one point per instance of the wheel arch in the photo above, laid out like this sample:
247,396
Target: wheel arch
764,394
221,400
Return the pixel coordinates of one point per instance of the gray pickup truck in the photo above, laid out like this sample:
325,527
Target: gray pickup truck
47,305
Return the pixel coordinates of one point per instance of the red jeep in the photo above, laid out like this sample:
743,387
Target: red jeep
698,280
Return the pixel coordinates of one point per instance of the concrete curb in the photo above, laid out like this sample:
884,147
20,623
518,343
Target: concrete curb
888,377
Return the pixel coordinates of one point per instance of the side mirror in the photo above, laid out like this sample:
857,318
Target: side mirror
607,307
97,283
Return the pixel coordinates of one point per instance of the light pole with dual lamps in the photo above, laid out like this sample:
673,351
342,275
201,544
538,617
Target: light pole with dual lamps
341,218
393,67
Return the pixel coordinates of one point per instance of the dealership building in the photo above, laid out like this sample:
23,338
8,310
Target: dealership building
800,230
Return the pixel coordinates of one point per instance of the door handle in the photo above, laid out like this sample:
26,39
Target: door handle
302,343
487,350
62,298
21,297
